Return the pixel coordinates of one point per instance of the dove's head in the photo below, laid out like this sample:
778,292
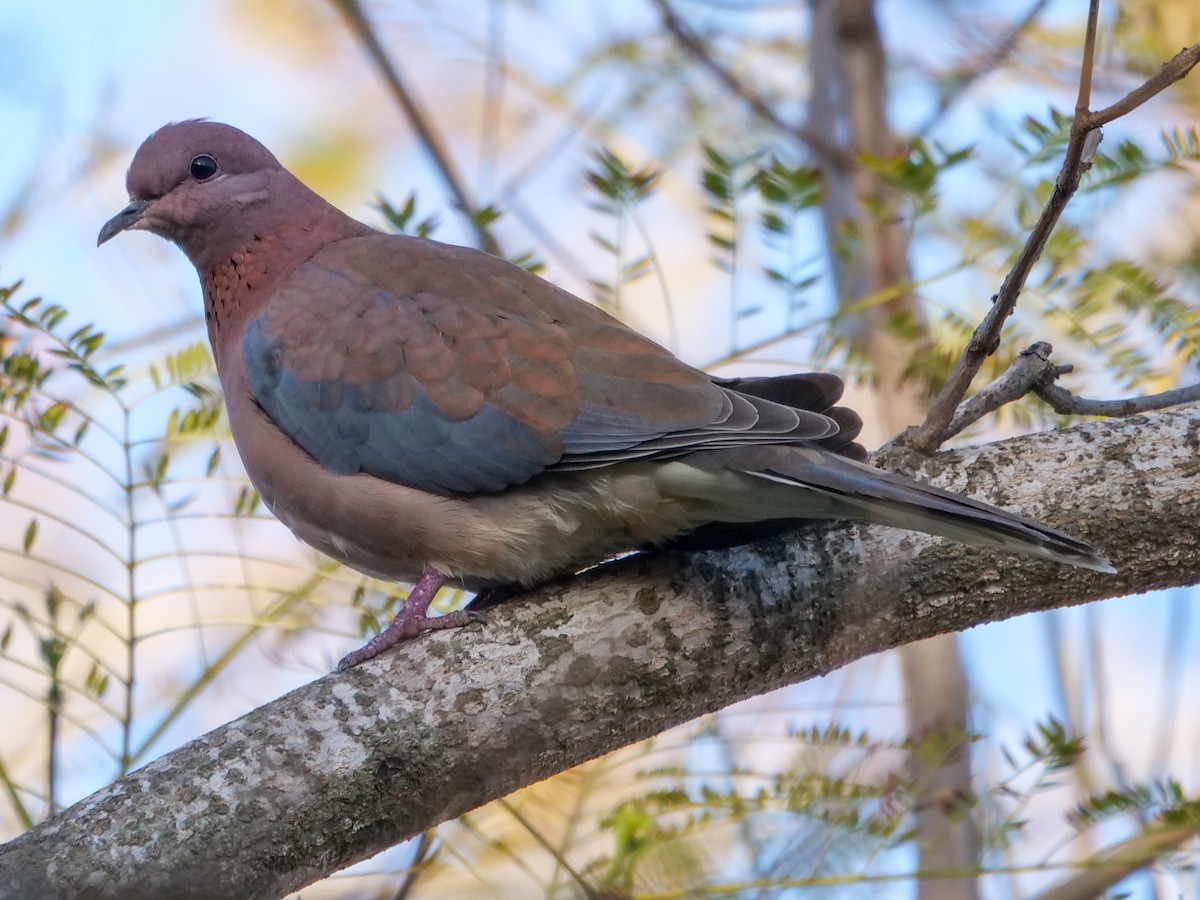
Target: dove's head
201,184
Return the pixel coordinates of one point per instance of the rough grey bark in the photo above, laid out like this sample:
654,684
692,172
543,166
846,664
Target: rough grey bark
351,764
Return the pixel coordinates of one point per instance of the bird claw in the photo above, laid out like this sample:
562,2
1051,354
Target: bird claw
405,628
420,624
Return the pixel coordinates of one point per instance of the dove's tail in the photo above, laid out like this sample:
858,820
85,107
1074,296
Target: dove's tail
796,483
885,498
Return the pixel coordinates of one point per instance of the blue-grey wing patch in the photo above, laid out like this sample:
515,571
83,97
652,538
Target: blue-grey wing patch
351,428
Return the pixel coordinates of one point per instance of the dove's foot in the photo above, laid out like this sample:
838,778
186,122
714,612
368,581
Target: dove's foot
411,621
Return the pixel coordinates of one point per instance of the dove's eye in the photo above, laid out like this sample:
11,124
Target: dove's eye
203,167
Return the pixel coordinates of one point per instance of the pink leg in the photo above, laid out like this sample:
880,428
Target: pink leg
410,621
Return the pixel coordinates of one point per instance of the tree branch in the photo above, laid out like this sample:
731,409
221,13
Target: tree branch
356,18
1033,372
827,151
1063,401
986,338
1173,70
1030,368
1084,139
1081,147
1114,864
1000,51
351,764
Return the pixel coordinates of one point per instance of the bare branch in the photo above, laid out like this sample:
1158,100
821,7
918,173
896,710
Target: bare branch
1030,369
1032,372
963,79
1114,864
424,853
1084,139
1083,101
1064,402
1176,68
356,18
985,339
828,151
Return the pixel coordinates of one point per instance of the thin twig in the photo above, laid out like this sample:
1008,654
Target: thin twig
189,327
1084,140
421,858
1083,102
14,798
1176,68
588,891
1030,369
1033,373
659,275
509,193
357,19
1114,864
828,151
494,86
999,53
1064,402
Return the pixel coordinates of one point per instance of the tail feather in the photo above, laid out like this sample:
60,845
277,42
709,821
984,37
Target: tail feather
971,523
827,486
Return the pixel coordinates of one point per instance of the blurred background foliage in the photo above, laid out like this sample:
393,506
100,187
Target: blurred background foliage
663,160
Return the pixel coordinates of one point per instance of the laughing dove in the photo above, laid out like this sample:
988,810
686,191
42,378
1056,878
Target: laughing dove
430,413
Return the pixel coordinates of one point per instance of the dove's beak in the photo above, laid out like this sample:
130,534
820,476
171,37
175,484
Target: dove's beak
125,219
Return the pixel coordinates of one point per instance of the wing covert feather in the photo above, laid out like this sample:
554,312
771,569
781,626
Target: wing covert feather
455,372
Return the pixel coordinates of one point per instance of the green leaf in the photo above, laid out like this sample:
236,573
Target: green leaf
96,682
529,262
54,600
485,216
403,220
620,183
160,467
1053,745
246,503
50,418
52,650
